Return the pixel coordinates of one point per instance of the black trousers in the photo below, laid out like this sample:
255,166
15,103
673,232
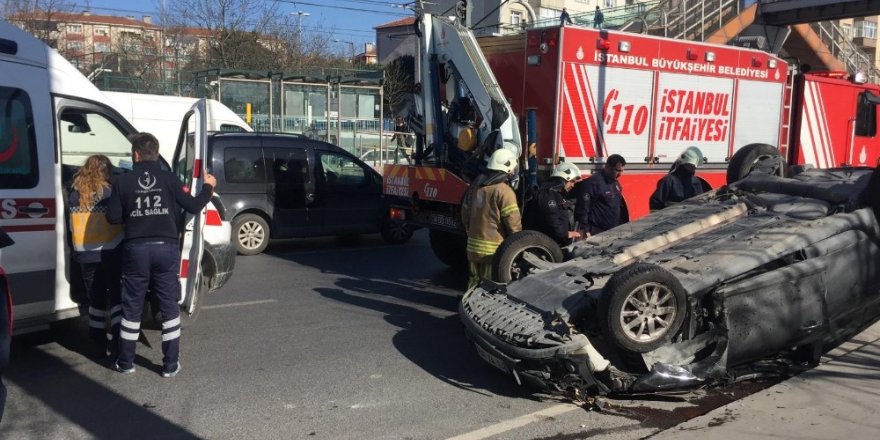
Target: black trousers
144,266
103,283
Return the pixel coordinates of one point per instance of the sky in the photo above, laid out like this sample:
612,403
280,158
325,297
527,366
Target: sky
353,19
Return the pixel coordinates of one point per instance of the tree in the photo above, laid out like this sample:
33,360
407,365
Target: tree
39,17
399,81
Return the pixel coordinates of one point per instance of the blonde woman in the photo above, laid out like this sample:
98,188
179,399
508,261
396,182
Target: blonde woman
95,249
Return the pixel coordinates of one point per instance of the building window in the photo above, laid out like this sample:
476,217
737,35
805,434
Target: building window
102,47
846,30
74,45
74,28
102,31
516,18
866,29
610,3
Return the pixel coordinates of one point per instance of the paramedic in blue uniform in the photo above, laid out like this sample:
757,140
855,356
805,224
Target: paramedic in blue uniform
599,205
147,201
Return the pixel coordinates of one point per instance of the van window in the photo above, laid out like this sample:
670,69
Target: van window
341,170
86,132
244,165
18,147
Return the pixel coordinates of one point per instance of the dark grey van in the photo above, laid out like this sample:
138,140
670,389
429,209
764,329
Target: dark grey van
285,186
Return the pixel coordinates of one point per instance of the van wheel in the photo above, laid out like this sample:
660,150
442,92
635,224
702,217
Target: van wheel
250,234
396,232
746,158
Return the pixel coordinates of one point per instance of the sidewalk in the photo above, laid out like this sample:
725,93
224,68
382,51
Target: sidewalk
839,399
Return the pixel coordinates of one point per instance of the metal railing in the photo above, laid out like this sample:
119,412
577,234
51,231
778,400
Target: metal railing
842,47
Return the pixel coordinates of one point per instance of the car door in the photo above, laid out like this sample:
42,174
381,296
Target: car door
290,186
347,194
189,165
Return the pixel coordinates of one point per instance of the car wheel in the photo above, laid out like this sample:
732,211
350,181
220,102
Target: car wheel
396,232
509,263
450,248
746,158
250,234
643,307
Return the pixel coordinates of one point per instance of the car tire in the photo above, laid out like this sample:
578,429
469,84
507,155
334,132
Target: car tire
250,234
449,247
396,232
644,293
508,263
744,160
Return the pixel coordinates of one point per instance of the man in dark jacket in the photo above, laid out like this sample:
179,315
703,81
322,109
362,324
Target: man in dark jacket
600,205
681,183
147,201
548,211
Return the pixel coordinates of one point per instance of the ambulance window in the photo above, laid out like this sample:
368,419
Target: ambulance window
866,115
18,147
85,132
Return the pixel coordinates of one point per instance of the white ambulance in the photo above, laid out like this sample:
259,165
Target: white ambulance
51,119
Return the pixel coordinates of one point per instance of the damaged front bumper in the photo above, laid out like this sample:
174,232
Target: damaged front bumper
513,339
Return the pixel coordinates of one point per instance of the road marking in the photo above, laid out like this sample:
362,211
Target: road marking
245,303
518,422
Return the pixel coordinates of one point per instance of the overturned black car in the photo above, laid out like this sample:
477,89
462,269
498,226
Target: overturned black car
767,266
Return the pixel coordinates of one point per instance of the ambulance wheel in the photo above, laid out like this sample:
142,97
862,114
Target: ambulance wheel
642,307
190,312
449,247
509,263
746,158
250,234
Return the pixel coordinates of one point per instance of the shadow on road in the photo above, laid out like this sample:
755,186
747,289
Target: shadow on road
89,405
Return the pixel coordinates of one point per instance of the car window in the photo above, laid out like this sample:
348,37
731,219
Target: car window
18,147
289,165
244,165
341,170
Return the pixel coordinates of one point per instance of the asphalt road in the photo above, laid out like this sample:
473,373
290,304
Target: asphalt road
323,338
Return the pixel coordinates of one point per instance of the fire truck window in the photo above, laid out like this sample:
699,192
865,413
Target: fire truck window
866,116
18,146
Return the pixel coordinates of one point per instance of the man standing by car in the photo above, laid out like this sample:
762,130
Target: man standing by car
490,214
147,201
549,211
681,183
600,205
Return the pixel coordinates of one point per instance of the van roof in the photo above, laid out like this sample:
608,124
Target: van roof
314,143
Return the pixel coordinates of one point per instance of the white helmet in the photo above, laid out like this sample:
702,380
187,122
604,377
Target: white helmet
502,160
692,155
567,171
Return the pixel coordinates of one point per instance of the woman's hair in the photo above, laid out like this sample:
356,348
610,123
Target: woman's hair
91,179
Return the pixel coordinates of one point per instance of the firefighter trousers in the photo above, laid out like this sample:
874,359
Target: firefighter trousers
154,266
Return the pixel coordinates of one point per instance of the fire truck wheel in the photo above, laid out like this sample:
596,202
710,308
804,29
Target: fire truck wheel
509,263
449,248
642,307
745,159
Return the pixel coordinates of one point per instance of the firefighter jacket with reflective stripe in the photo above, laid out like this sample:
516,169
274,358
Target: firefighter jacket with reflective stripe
490,213
90,232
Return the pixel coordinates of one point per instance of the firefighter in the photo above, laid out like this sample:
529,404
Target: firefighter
600,205
490,213
681,183
549,211
147,201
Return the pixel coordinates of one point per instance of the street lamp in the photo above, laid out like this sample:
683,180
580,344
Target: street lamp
351,43
299,24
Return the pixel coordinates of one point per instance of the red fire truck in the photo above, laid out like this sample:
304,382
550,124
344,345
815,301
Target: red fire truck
580,95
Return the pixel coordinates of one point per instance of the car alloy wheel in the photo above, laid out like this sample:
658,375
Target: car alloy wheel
648,312
251,235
